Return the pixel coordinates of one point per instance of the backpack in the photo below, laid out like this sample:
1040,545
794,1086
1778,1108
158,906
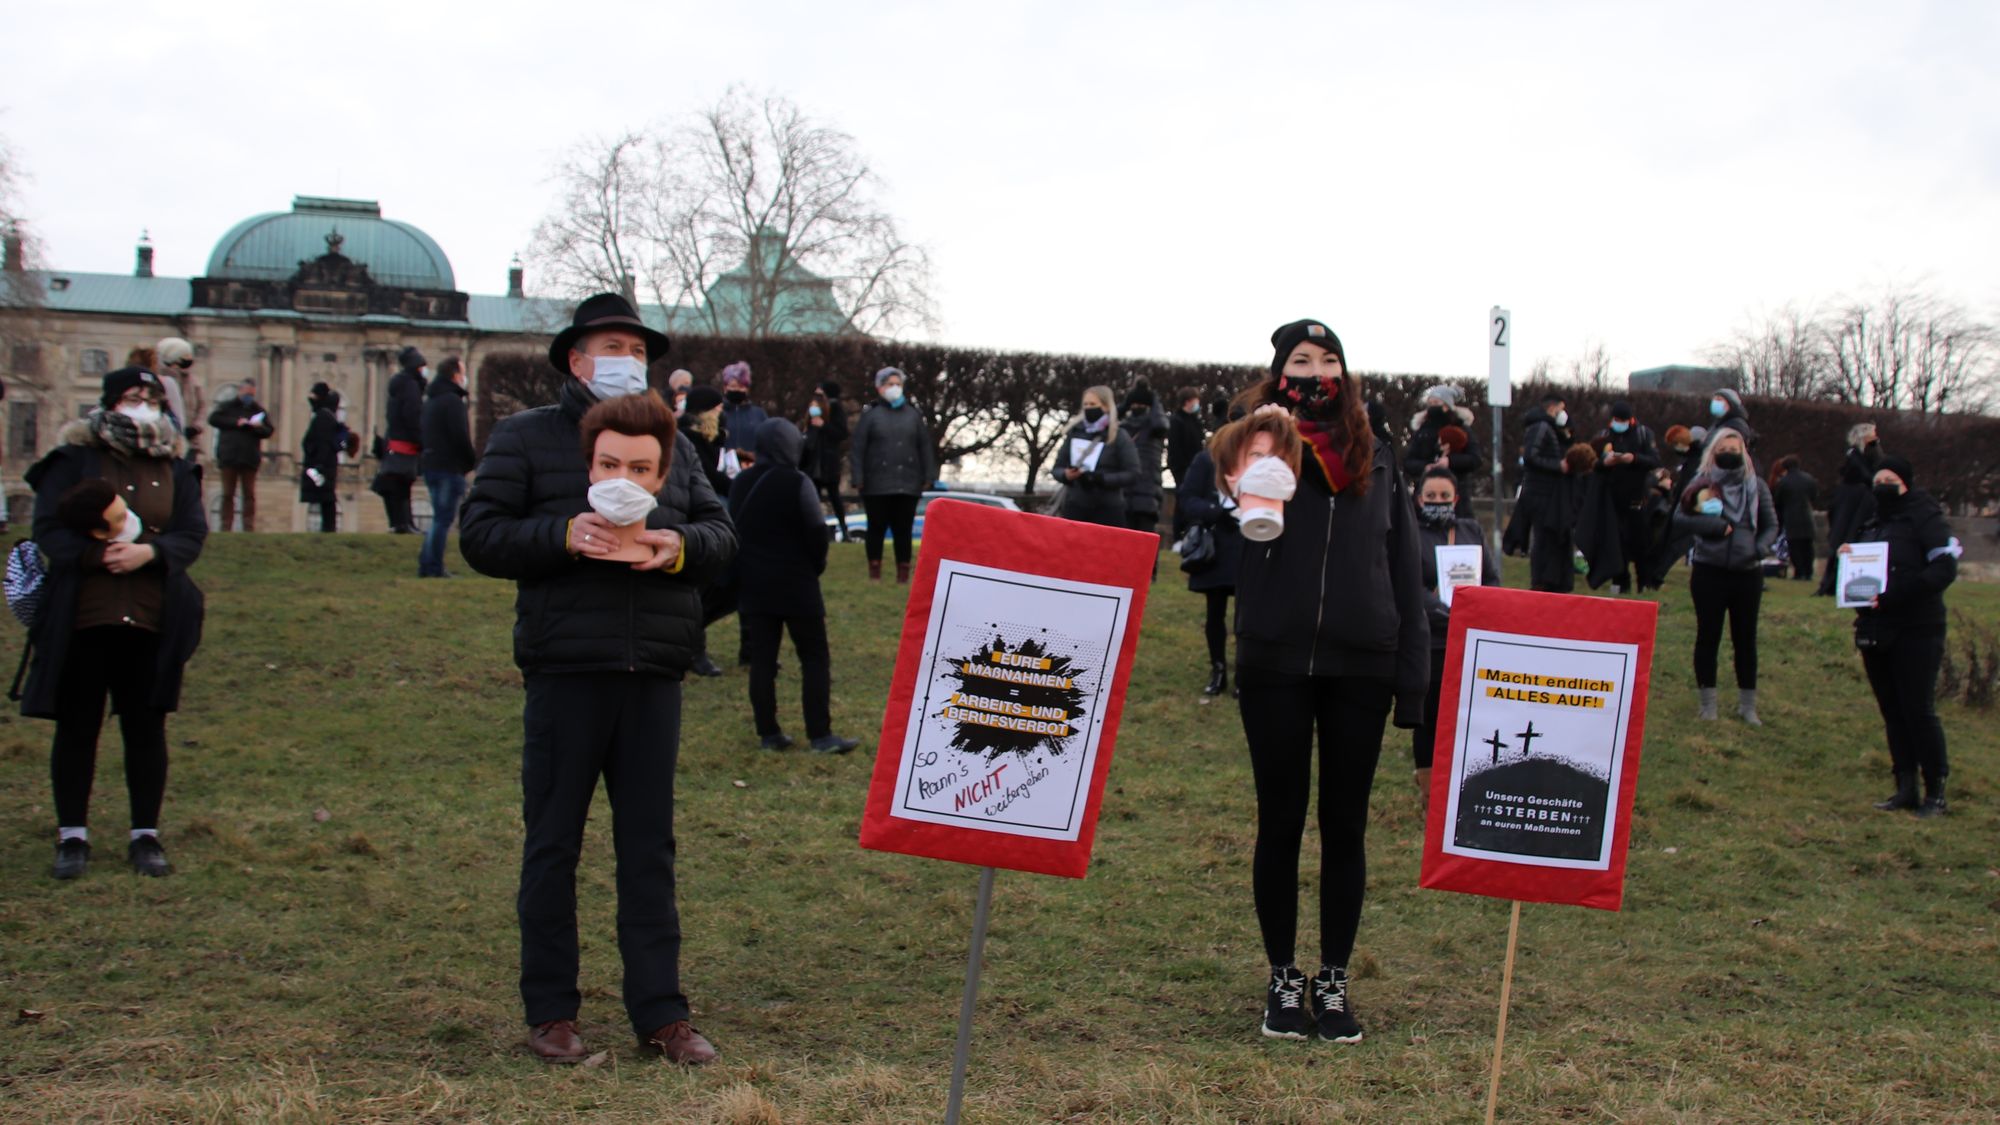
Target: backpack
27,581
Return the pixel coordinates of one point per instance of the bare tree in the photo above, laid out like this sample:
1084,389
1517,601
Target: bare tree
1908,348
21,294
1591,368
1784,355
766,219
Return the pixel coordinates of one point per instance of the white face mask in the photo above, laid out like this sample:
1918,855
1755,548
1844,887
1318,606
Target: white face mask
621,501
1562,417
340,416
892,394
614,376
144,413
133,527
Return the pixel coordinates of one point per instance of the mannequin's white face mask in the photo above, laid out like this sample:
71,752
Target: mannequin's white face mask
621,501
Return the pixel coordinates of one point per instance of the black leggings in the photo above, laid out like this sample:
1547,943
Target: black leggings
890,513
830,493
1802,559
1216,626
118,661
1738,593
1280,715
1424,739
1904,673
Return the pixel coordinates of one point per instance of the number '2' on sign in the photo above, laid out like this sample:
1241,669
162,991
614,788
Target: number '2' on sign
1500,346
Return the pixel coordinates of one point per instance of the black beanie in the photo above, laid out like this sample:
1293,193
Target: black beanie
116,383
411,357
830,389
1297,332
701,399
1621,410
1141,395
1900,466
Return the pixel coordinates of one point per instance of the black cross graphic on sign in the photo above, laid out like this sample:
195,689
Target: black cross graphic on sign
1497,746
1527,736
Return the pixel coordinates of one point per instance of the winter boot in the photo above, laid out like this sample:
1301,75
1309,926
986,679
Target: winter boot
1933,799
1707,704
1423,777
1905,796
1286,1015
902,574
874,570
1218,678
1331,1012
1746,706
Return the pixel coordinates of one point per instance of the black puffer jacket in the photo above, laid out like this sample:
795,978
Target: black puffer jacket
584,615
447,435
1429,539
890,451
1920,563
1201,503
780,529
1424,446
1341,592
1098,495
1853,502
1147,431
406,406
1545,499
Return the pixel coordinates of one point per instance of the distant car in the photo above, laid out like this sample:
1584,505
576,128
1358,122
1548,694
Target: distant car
857,520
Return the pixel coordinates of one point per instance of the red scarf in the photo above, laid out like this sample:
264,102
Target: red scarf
1320,441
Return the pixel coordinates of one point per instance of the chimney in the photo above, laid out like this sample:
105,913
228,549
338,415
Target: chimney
12,260
629,286
514,275
144,268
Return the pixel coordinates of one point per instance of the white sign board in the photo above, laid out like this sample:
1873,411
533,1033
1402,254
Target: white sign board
1460,565
1499,346
1863,574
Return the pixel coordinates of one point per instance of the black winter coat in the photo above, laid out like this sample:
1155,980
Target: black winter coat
320,449
1097,496
1794,495
1853,502
740,421
1423,448
708,454
780,531
823,455
1186,437
1201,503
406,406
238,446
890,453
1147,431
576,615
1921,565
1628,481
1429,539
178,545
1341,592
447,434
1546,500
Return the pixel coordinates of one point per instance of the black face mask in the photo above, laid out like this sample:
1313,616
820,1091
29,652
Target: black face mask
1308,398
738,397
1729,462
1872,452
1888,495
1093,414
1437,414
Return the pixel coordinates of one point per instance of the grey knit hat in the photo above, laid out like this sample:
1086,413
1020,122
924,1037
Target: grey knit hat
883,375
1446,394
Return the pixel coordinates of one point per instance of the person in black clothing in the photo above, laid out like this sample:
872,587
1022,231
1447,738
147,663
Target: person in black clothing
602,647
241,425
1901,634
1853,500
119,520
1146,428
702,426
1627,457
1185,438
1441,437
1545,500
1096,463
405,442
320,452
1725,410
1440,525
448,455
891,460
781,553
1201,505
826,433
1793,490
1331,636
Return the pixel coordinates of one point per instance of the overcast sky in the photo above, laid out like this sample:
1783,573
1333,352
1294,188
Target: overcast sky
1150,179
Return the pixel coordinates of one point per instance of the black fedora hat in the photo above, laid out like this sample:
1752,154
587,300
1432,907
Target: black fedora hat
606,310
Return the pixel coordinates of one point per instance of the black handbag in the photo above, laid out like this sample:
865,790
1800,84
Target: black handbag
1197,549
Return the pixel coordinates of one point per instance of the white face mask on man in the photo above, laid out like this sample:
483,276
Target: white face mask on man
614,376
144,413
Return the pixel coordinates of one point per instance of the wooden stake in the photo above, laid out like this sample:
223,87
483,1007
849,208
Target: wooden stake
1506,993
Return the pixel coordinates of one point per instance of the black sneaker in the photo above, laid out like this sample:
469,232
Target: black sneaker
147,856
1330,1011
703,666
1285,1014
779,741
72,856
834,744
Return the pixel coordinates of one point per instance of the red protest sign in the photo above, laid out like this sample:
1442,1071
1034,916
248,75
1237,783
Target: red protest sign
1017,648
1540,721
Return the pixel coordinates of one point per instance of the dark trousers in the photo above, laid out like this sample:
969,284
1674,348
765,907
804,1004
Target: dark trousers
625,727
329,515
762,633
395,490
1802,559
446,490
233,479
1737,593
1551,559
116,661
892,514
1424,739
1634,542
1280,715
830,493
1215,628
1904,674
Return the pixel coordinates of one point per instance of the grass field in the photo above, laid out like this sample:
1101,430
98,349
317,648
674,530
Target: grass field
338,940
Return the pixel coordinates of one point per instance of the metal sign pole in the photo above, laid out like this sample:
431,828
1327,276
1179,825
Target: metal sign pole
964,1051
1499,395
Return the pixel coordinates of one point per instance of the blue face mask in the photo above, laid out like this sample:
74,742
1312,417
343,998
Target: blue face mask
1711,507
1717,407
1620,427
614,376
812,411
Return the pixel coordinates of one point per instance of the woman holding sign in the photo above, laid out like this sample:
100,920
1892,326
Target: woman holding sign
1330,635
1454,553
1901,635
1729,512
1095,464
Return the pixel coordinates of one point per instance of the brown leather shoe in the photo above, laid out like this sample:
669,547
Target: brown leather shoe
679,1042
557,1041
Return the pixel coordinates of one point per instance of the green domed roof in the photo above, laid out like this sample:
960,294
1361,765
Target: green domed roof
269,247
